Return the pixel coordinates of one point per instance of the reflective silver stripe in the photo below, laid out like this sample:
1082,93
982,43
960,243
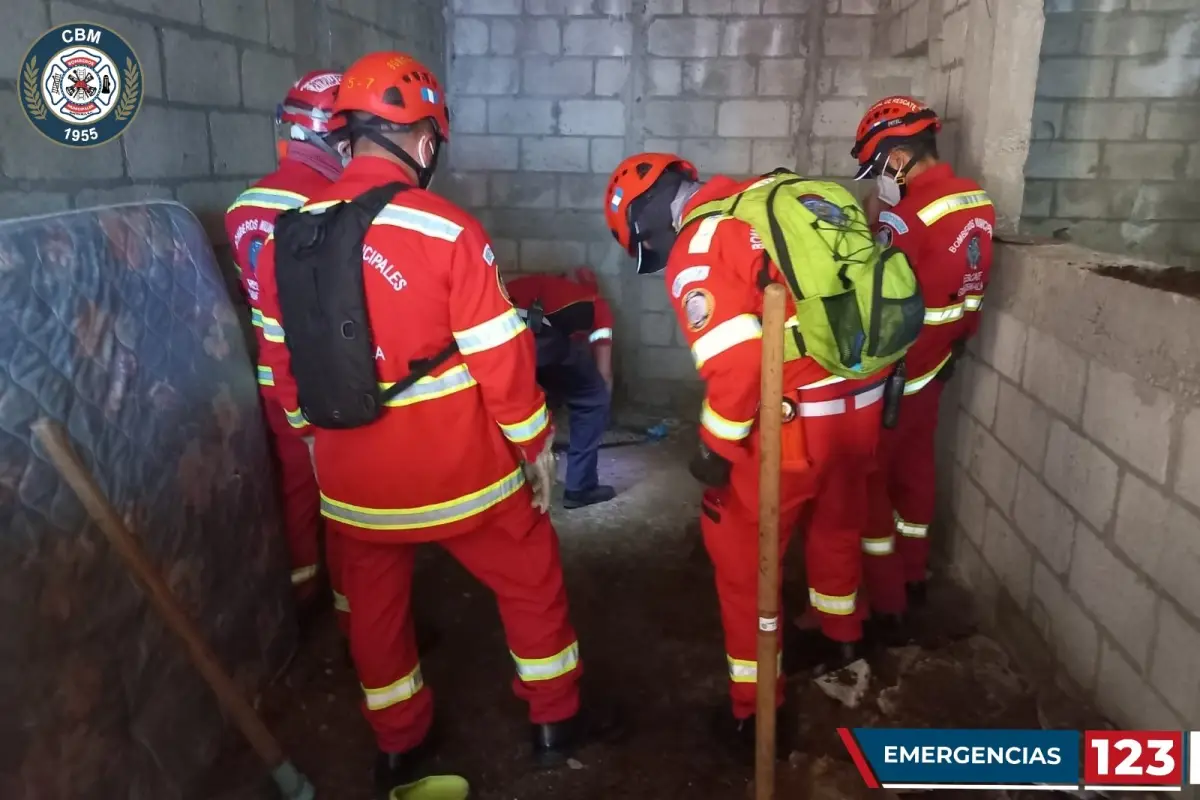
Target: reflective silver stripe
730,333
256,318
830,408
272,330
973,302
420,221
341,602
702,239
529,428
917,384
911,529
743,671
268,198
493,333
723,428
303,574
547,669
265,376
452,380
841,606
296,418
397,519
940,316
951,203
600,335
883,546
404,689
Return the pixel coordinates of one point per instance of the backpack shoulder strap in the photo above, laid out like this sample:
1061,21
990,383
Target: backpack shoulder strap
375,200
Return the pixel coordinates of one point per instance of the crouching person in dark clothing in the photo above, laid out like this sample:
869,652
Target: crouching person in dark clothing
572,326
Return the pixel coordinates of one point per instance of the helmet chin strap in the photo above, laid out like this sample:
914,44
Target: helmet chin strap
424,174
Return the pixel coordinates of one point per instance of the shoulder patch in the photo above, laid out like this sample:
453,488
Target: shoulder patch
488,256
252,254
884,236
894,220
689,275
824,210
698,308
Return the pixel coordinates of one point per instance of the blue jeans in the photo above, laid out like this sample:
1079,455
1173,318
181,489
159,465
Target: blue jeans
574,379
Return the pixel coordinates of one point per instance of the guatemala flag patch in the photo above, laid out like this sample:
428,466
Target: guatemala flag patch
616,199
429,95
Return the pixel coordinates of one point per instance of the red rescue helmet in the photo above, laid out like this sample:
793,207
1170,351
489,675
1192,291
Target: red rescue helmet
890,119
396,88
309,103
632,178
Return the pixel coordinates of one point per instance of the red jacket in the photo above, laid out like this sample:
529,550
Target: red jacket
559,293
444,458
713,280
944,225
304,171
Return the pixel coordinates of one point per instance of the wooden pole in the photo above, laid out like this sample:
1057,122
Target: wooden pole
58,447
770,420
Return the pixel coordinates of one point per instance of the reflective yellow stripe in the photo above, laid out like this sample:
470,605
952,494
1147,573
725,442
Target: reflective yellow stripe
529,428
730,333
399,519
600,335
702,240
272,330
883,546
742,671
911,529
303,574
914,385
452,380
268,198
951,203
404,689
256,318
973,302
530,670
723,428
341,602
265,376
941,316
841,606
493,333
296,418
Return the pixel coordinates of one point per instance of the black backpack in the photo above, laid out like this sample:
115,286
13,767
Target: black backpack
319,273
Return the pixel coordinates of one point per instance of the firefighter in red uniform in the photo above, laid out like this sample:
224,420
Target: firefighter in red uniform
310,164
717,269
572,325
451,458
943,223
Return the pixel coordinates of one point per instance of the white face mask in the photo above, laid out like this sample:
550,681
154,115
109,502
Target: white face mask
343,151
888,190
425,151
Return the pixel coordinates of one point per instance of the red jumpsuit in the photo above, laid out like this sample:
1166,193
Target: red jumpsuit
443,461
303,171
713,277
944,224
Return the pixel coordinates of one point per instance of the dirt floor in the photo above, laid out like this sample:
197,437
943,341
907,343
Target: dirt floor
646,613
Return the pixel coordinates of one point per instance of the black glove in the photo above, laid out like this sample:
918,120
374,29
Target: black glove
709,468
956,352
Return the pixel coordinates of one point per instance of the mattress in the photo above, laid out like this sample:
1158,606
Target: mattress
117,323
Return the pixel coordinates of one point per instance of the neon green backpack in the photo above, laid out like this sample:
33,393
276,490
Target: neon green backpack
858,305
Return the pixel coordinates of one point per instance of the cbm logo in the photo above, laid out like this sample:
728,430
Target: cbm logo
81,84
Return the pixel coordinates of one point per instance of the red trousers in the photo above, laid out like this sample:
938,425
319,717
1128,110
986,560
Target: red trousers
515,556
831,496
903,495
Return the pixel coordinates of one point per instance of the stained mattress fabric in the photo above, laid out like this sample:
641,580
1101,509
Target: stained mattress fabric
116,323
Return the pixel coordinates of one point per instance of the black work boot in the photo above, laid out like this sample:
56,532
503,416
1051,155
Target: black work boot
397,769
588,497
916,594
811,650
739,734
555,742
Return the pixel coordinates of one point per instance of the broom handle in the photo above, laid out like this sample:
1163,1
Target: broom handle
770,420
62,455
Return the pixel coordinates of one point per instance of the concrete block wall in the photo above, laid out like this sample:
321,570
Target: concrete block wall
214,72
1115,162
1071,465
549,95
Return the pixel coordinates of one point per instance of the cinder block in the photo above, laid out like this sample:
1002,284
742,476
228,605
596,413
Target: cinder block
1045,520
1047,119
657,329
483,152
682,36
243,144
246,19
955,37
1070,6
654,296
1175,666
1081,473
666,363
1125,695
523,190
591,117
966,438
1130,418
557,77
1008,556
719,77
1062,34
1114,594
1124,36
1055,374
665,78
916,24
847,36
654,145
1187,480
86,198
584,192
860,7
182,10
1095,199
751,118
513,115
598,37
731,157
1166,77
1038,199
208,201
27,204
1075,77
1144,161
1002,343
1162,537
528,37
995,469
554,154
709,6
466,189
1068,630
469,114
681,117
606,154
549,255
167,143
489,76
767,154
470,37
838,117
1022,425
980,385
1161,201
783,77
656,8
216,84
787,6
1178,121
759,37
615,8
839,165
266,78
484,7
1049,159
970,506
26,22
559,8
612,77
1099,120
